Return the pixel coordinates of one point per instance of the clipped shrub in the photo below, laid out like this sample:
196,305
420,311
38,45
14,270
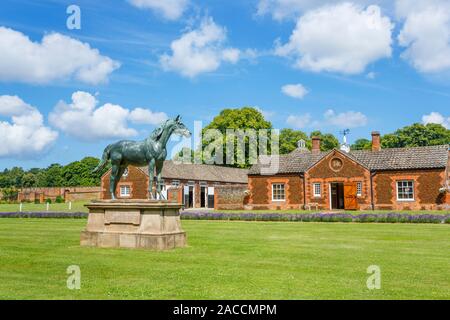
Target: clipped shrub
59,199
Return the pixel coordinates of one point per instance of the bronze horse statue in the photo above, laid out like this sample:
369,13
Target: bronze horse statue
151,152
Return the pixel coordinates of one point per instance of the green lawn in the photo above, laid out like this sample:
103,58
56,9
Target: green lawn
230,260
33,207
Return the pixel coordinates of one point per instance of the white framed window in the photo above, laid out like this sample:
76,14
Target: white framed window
278,192
125,191
405,190
317,190
359,189
175,183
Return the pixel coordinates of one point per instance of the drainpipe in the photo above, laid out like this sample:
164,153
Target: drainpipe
372,174
304,190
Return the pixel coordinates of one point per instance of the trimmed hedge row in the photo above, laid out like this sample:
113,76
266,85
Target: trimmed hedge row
44,214
321,217
311,217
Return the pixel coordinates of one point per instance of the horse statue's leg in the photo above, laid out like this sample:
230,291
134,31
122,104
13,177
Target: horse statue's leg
159,166
151,175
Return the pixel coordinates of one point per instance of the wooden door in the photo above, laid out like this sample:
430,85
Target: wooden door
350,199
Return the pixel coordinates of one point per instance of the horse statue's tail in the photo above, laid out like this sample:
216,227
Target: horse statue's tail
104,160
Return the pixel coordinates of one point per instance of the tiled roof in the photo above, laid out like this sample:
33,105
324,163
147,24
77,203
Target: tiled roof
202,172
385,159
404,158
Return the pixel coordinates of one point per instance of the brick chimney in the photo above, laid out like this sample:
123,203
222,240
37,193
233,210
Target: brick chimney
376,144
315,144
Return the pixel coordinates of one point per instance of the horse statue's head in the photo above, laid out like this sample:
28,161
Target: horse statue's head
174,126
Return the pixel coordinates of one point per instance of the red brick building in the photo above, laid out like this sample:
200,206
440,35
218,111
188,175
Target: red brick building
194,185
392,179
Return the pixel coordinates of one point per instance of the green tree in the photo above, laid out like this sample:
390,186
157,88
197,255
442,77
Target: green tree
9,194
238,119
289,140
361,144
53,176
417,135
79,173
29,180
327,140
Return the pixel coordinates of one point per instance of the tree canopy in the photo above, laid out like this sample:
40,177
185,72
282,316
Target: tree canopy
327,140
361,144
78,173
238,119
417,135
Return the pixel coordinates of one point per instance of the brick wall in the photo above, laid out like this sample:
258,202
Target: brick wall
260,189
136,179
230,197
67,193
426,189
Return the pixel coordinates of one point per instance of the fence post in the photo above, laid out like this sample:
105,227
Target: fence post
70,205
48,205
20,207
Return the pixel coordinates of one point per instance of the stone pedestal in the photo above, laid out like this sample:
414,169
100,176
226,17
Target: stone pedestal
146,224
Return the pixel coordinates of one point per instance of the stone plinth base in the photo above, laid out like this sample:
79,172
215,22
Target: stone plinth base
134,224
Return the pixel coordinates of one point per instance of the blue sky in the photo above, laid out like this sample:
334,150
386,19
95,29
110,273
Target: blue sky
367,65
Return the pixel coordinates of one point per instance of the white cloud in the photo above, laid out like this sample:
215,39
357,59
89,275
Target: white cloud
199,51
425,34
299,122
348,119
57,57
170,9
342,38
288,9
283,9
84,120
297,91
26,135
436,117
145,116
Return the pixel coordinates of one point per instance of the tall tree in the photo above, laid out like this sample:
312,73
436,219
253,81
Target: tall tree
289,139
361,144
237,119
417,135
327,141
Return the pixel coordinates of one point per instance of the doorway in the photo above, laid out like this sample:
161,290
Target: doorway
203,196
337,195
188,196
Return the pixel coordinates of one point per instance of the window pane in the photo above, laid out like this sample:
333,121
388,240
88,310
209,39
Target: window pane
278,192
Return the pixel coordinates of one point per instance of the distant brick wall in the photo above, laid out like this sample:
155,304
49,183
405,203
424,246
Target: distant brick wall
230,197
67,193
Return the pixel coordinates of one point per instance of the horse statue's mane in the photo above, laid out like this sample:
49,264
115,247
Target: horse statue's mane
156,134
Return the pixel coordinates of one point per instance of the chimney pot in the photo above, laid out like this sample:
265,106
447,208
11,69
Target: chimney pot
376,144
315,144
